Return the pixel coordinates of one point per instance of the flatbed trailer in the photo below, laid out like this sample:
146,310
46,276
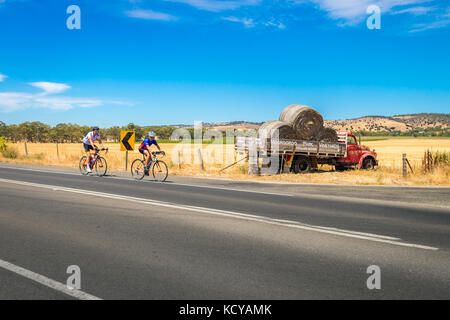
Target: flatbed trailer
301,156
293,147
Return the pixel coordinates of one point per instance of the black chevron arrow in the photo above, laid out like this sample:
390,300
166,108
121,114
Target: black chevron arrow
125,141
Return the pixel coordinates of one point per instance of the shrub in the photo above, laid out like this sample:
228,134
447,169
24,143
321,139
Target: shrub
435,159
243,169
38,156
3,145
10,153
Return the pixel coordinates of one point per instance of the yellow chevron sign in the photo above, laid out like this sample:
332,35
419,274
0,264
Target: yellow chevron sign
127,139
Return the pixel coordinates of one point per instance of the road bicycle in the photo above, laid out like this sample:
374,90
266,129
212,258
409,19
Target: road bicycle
98,164
158,168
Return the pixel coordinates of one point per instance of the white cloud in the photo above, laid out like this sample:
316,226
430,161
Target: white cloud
2,76
442,21
11,101
353,11
218,5
150,15
66,103
345,12
50,87
417,11
248,23
14,101
276,24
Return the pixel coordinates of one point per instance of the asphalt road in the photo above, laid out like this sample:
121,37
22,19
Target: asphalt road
210,239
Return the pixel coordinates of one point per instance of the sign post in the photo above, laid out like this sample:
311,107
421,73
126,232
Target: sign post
127,140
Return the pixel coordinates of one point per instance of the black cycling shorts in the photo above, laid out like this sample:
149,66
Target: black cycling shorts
142,150
87,147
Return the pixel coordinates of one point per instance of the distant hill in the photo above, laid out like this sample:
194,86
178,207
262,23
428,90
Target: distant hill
402,123
397,123
221,126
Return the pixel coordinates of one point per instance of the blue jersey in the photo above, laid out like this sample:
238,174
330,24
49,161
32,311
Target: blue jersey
147,143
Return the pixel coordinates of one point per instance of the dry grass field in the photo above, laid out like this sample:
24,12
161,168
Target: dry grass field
216,157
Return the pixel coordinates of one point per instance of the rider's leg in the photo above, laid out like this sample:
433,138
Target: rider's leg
88,160
86,151
147,157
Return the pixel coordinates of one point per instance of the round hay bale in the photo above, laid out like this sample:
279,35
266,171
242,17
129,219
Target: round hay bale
269,129
304,120
327,135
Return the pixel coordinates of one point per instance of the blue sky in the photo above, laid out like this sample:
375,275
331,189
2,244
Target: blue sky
177,61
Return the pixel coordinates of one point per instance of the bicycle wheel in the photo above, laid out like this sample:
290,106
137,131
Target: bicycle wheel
83,165
138,169
101,166
160,171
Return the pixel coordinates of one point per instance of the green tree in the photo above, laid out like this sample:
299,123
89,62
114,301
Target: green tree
3,129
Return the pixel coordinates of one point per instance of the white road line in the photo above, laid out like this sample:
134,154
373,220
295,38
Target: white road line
340,198
236,215
168,184
227,189
40,170
55,285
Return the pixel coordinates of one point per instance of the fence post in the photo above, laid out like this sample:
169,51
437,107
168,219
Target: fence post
57,150
429,160
404,165
26,149
200,158
253,168
179,160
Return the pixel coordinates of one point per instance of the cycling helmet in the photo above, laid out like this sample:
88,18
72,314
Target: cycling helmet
151,134
95,128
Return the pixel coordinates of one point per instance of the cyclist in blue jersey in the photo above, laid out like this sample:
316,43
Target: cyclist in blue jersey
144,148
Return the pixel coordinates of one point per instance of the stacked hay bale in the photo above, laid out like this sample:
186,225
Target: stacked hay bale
298,122
306,121
270,129
327,135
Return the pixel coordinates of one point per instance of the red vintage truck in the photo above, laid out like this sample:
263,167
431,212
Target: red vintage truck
301,156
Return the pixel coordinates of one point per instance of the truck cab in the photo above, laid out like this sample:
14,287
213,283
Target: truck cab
359,156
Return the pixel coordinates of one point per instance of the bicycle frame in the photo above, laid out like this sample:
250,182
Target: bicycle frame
95,156
153,159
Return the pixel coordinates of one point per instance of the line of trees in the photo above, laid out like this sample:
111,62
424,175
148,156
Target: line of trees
417,132
67,132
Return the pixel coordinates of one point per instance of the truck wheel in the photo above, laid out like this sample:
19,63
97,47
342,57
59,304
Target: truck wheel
301,165
368,164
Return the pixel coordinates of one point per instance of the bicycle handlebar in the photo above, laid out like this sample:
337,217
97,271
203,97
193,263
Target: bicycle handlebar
102,149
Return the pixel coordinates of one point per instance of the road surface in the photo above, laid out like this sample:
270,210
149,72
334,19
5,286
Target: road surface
215,239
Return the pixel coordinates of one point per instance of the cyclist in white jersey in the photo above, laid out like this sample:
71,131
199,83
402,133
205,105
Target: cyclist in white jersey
88,144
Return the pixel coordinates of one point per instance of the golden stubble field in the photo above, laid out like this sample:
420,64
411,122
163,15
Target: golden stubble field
216,157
